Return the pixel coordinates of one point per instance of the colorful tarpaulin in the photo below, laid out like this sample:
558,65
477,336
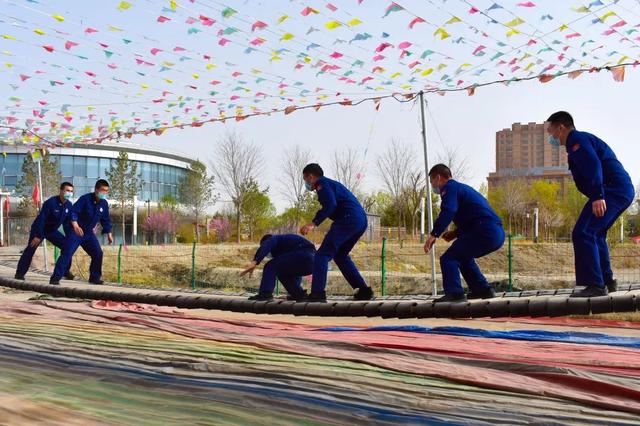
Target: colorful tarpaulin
116,363
89,71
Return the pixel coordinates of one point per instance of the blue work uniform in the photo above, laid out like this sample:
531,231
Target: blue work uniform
479,232
600,176
292,259
349,224
52,215
87,212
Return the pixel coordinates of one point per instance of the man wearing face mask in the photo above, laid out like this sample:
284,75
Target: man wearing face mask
291,259
598,175
52,215
349,224
90,209
478,232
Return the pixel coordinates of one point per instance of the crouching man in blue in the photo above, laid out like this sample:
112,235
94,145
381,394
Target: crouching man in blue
478,232
53,214
349,224
601,178
90,209
292,259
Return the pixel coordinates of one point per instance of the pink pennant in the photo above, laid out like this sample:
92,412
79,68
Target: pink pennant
223,41
69,44
378,58
179,49
43,103
112,66
474,10
531,42
214,82
155,51
364,80
104,45
48,48
77,86
413,64
258,25
24,77
90,30
298,66
90,73
257,41
415,21
619,24
236,74
163,19
191,20
382,46
574,35
307,11
609,32
527,4
206,21
331,7
336,55
404,45
234,97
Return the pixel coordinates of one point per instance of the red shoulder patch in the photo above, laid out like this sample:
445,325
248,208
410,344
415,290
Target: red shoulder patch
575,147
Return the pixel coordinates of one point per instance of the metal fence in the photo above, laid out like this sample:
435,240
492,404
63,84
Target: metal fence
390,267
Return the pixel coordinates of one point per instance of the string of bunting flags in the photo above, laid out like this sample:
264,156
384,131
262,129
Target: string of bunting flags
116,69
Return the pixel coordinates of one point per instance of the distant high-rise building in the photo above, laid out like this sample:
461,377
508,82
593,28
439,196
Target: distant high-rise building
523,152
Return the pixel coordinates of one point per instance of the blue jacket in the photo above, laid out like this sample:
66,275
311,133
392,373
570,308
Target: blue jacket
278,245
88,212
53,214
463,205
338,203
594,166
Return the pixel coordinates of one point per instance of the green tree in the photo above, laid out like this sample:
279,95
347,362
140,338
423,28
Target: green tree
51,179
546,196
125,183
196,192
257,209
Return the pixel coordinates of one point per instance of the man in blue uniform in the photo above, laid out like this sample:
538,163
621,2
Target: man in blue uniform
478,232
601,178
292,259
52,215
90,209
349,224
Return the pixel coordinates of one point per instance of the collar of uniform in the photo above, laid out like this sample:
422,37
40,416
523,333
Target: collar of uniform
446,185
572,139
321,180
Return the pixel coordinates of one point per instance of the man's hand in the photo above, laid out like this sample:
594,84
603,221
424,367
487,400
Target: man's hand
599,208
110,238
35,242
76,228
450,236
429,244
307,228
249,269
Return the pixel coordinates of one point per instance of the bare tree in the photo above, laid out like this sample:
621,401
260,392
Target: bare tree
347,167
459,164
237,163
413,194
395,166
291,183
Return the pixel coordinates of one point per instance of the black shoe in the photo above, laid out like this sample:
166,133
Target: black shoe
18,277
487,293
69,276
53,281
316,298
96,282
363,294
300,298
612,285
590,291
262,297
452,298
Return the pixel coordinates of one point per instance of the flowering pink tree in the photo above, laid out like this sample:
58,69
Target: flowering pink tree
161,223
221,227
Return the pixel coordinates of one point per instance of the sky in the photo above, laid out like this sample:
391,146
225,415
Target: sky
598,104
455,121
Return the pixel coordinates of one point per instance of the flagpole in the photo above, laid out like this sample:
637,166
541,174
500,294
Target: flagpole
44,241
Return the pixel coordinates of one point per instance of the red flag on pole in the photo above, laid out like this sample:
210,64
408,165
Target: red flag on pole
7,205
36,196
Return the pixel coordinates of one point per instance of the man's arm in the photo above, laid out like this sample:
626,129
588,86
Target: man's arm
264,249
327,199
448,210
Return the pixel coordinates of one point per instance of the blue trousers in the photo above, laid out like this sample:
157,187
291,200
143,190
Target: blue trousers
589,236
337,245
460,257
55,237
90,244
289,268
